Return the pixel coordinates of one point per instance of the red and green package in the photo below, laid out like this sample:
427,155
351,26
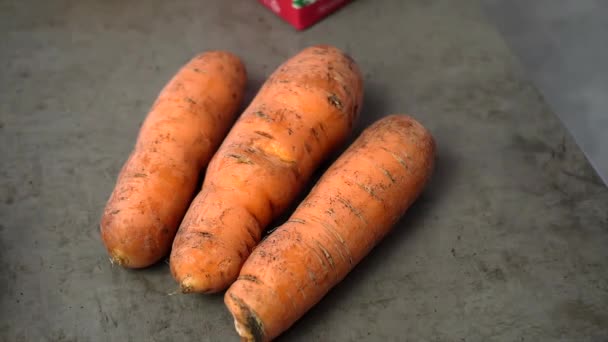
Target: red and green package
303,13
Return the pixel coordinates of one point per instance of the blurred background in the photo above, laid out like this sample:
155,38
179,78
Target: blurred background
562,45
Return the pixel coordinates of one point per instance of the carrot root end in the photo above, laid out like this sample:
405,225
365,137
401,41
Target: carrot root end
116,258
186,285
246,323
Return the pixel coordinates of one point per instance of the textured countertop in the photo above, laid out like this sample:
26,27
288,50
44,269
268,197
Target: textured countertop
508,243
562,46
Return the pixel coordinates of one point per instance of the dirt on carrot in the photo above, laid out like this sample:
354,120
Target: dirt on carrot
183,129
350,209
304,111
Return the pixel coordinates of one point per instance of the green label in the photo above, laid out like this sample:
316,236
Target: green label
302,3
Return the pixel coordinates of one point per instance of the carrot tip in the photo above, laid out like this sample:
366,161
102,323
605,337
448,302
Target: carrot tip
242,331
193,284
186,288
117,259
252,329
187,285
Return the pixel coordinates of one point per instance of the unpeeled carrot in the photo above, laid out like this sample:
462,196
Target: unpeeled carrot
304,111
351,208
178,137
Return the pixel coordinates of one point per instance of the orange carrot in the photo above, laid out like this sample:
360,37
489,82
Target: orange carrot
352,207
183,129
303,111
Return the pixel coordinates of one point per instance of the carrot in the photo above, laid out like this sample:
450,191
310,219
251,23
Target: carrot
304,110
178,137
352,207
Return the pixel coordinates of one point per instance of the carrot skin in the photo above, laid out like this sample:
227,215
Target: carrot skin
303,112
350,209
176,141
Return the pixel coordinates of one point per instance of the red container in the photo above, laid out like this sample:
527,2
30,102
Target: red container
303,13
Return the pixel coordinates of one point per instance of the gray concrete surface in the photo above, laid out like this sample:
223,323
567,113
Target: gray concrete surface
563,46
509,243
